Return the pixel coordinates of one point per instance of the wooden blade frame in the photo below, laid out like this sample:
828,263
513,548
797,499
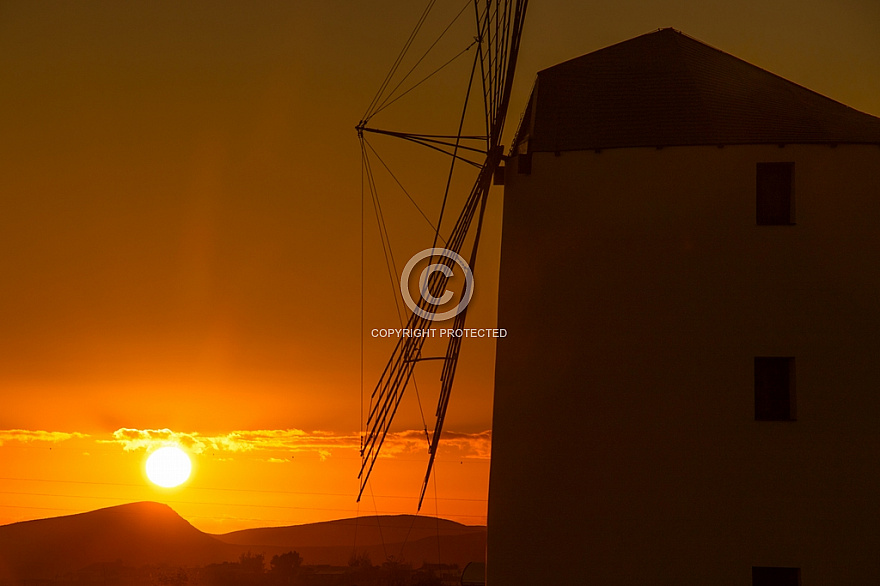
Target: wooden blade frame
499,29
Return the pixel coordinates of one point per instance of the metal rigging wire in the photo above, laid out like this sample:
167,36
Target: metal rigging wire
388,101
398,61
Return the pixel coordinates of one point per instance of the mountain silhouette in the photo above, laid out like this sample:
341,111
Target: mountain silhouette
373,530
138,534
147,533
409,538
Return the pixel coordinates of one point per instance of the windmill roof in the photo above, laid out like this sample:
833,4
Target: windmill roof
668,89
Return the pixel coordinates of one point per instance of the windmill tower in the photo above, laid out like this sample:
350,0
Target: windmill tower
688,393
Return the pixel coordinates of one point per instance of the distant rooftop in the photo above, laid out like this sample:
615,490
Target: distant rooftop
668,89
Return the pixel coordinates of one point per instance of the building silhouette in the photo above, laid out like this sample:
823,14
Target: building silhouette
689,392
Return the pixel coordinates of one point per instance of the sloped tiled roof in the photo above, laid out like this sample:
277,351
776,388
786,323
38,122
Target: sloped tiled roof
667,89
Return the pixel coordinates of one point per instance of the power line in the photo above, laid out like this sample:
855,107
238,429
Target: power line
258,491
176,502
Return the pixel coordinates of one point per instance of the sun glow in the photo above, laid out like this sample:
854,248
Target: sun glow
168,467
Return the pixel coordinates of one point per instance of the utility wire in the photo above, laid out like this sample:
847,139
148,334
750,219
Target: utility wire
224,489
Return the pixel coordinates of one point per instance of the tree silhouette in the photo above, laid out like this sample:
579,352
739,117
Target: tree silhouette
251,563
173,578
285,567
360,560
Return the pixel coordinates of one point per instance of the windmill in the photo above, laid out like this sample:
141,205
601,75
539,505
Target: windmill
496,40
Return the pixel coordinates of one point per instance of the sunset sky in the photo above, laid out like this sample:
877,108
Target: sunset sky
180,239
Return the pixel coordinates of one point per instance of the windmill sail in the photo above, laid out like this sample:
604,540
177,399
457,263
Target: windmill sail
496,40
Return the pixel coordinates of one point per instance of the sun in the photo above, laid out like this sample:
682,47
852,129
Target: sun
168,467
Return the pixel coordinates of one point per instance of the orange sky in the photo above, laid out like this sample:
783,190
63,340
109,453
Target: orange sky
180,239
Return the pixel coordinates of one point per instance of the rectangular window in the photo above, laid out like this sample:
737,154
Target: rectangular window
775,194
498,177
524,164
772,576
774,388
